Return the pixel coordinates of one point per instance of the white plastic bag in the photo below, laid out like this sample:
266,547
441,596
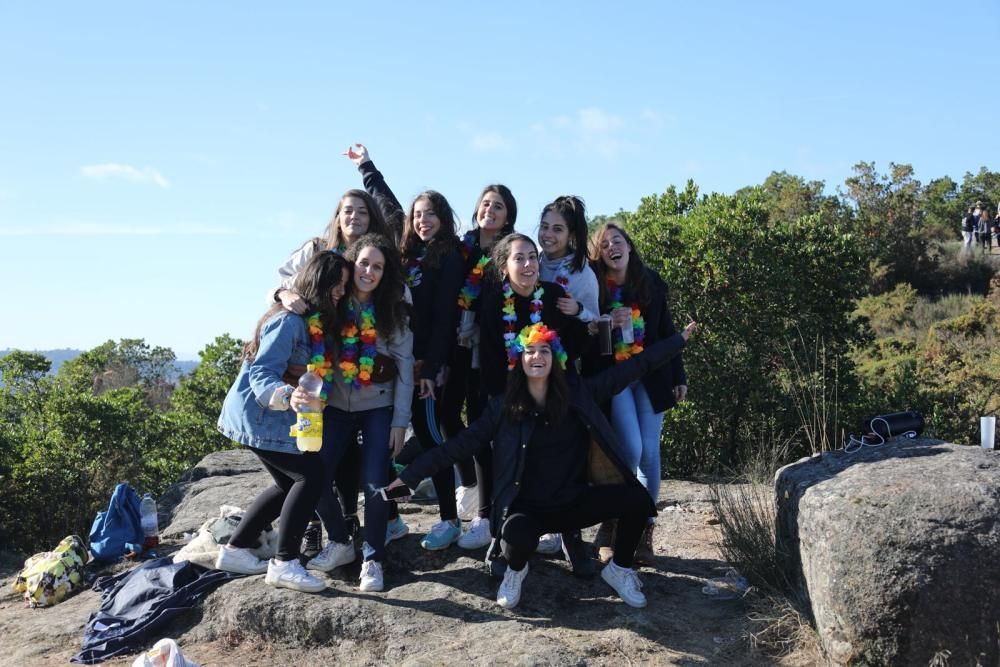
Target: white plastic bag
165,653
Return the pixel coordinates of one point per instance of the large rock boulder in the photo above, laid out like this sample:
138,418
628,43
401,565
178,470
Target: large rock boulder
894,548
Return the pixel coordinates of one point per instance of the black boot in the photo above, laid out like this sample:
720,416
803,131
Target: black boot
312,539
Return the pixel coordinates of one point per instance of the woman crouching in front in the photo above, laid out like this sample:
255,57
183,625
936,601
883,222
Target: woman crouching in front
555,467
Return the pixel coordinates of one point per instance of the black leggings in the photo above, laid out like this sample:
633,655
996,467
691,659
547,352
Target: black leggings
629,504
444,480
298,479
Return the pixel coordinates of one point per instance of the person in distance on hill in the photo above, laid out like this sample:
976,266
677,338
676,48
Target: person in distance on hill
256,414
555,461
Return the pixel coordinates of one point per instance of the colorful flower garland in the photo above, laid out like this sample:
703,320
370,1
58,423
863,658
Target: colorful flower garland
473,284
535,334
469,243
321,358
510,317
415,267
358,371
625,350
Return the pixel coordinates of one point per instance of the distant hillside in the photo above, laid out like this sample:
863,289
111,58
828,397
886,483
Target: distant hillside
59,357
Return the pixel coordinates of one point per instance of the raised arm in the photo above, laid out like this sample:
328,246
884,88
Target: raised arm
380,191
610,381
466,444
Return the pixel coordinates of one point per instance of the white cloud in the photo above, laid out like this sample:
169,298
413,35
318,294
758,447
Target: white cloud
488,142
589,131
79,228
108,170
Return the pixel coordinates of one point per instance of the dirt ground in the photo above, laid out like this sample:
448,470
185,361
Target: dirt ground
561,620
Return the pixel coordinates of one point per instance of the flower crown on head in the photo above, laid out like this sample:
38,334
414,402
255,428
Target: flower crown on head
535,334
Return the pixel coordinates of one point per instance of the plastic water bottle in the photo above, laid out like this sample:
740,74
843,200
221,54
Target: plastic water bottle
308,428
150,526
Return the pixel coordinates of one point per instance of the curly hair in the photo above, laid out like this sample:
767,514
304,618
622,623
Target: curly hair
392,312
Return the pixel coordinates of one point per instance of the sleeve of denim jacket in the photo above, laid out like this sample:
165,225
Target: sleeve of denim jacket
292,266
277,340
401,350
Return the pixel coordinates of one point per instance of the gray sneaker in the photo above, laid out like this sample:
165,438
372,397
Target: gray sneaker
240,561
333,555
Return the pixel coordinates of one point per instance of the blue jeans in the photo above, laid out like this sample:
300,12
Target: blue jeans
638,428
340,430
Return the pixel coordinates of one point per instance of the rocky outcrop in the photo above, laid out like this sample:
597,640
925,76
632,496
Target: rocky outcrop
895,548
438,607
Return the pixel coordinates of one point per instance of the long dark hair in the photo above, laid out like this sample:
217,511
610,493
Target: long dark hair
519,404
501,251
443,242
635,272
574,212
508,201
332,238
322,272
391,311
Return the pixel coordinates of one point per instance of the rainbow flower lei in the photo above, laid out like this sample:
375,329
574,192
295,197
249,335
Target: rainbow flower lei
510,317
473,284
624,350
359,326
468,243
535,334
321,358
415,267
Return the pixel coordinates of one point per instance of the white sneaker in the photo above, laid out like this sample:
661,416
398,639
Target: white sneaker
371,576
509,593
291,574
549,543
626,583
467,500
240,561
478,534
333,555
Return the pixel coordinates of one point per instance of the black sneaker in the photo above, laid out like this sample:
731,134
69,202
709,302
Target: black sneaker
312,539
577,553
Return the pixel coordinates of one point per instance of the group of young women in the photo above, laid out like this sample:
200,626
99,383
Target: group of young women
410,325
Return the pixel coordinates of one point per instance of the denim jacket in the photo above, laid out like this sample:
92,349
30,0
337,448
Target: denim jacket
246,416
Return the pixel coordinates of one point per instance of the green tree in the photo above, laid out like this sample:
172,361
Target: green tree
763,290
888,219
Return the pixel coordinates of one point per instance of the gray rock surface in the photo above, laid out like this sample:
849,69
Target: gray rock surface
438,607
895,547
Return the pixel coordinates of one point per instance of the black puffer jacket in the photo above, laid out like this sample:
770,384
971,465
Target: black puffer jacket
510,439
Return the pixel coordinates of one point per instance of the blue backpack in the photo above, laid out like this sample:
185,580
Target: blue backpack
118,530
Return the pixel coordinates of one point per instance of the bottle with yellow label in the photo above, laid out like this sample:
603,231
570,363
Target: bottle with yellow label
308,427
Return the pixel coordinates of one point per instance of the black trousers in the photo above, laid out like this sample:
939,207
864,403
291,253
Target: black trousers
424,411
298,479
462,389
629,504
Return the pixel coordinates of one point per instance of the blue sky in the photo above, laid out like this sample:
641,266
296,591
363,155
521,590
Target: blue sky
159,161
